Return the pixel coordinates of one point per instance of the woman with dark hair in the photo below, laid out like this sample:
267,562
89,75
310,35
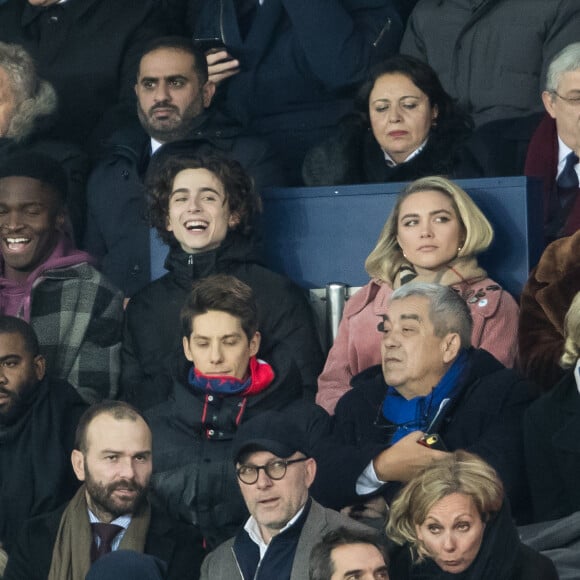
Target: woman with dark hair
406,127
204,207
452,522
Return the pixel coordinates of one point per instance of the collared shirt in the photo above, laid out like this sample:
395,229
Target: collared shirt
563,152
122,521
155,145
392,163
253,529
577,374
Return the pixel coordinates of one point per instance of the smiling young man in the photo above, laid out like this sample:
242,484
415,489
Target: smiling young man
205,208
110,511
175,113
431,381
76,313
275,471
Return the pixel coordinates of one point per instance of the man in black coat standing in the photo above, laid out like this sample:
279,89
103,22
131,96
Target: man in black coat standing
38,417
110,511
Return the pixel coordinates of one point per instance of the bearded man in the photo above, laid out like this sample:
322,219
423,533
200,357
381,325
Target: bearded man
110,511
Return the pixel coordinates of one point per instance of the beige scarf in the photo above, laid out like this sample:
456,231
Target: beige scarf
459,271
71,553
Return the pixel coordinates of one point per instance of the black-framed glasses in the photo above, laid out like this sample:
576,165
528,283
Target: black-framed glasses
275,469
574,101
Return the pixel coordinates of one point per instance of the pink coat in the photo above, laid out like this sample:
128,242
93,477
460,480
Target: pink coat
358,344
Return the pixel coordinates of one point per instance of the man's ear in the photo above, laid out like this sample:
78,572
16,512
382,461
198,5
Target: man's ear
255,344
208,91
310,469
186,349
450,345
39,366
233,221
548,100
78,463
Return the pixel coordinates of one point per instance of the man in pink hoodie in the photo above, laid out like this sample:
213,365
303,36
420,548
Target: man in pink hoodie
76,313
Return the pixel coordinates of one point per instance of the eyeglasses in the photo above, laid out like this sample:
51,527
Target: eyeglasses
574,101
276,470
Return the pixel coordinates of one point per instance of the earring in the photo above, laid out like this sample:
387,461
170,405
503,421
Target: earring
459,248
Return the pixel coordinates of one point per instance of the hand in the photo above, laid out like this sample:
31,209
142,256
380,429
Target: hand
373,508
221,65
404,459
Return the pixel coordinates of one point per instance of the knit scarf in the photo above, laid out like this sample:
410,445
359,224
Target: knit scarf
417,414
261,376
71,552
458,271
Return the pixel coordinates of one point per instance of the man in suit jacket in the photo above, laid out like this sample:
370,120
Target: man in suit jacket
113,458
274,473
554,148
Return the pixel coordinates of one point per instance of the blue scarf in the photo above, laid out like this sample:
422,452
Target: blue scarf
416,414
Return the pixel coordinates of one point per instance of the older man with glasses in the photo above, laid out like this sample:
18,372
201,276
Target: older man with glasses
275,472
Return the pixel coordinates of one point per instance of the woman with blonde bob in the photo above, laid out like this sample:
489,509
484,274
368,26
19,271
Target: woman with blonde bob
452,521
433,234
551,433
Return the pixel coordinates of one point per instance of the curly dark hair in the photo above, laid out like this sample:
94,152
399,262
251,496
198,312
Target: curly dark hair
238,186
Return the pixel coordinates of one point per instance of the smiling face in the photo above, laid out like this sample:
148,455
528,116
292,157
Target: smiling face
400,114
358,562
414,359
20,372
169,94
219,346
566,113
116,467
7,102
452,532
429,231
273,503
199,214
31,216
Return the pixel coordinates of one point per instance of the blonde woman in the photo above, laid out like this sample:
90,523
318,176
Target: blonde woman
451,522
433,234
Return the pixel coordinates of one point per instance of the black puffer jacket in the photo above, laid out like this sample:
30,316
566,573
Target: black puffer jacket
152,343
194,474
118,232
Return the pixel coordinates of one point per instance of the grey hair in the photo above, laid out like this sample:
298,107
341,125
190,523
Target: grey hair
567,60
34,97
571,335
448,311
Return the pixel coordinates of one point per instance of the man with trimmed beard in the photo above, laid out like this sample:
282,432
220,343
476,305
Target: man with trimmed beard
38,416
110,511
175,115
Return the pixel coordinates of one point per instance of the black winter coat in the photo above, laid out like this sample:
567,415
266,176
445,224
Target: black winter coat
35,470
118,232
353,156
194,473
152,345
552,440
501,556
484,417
